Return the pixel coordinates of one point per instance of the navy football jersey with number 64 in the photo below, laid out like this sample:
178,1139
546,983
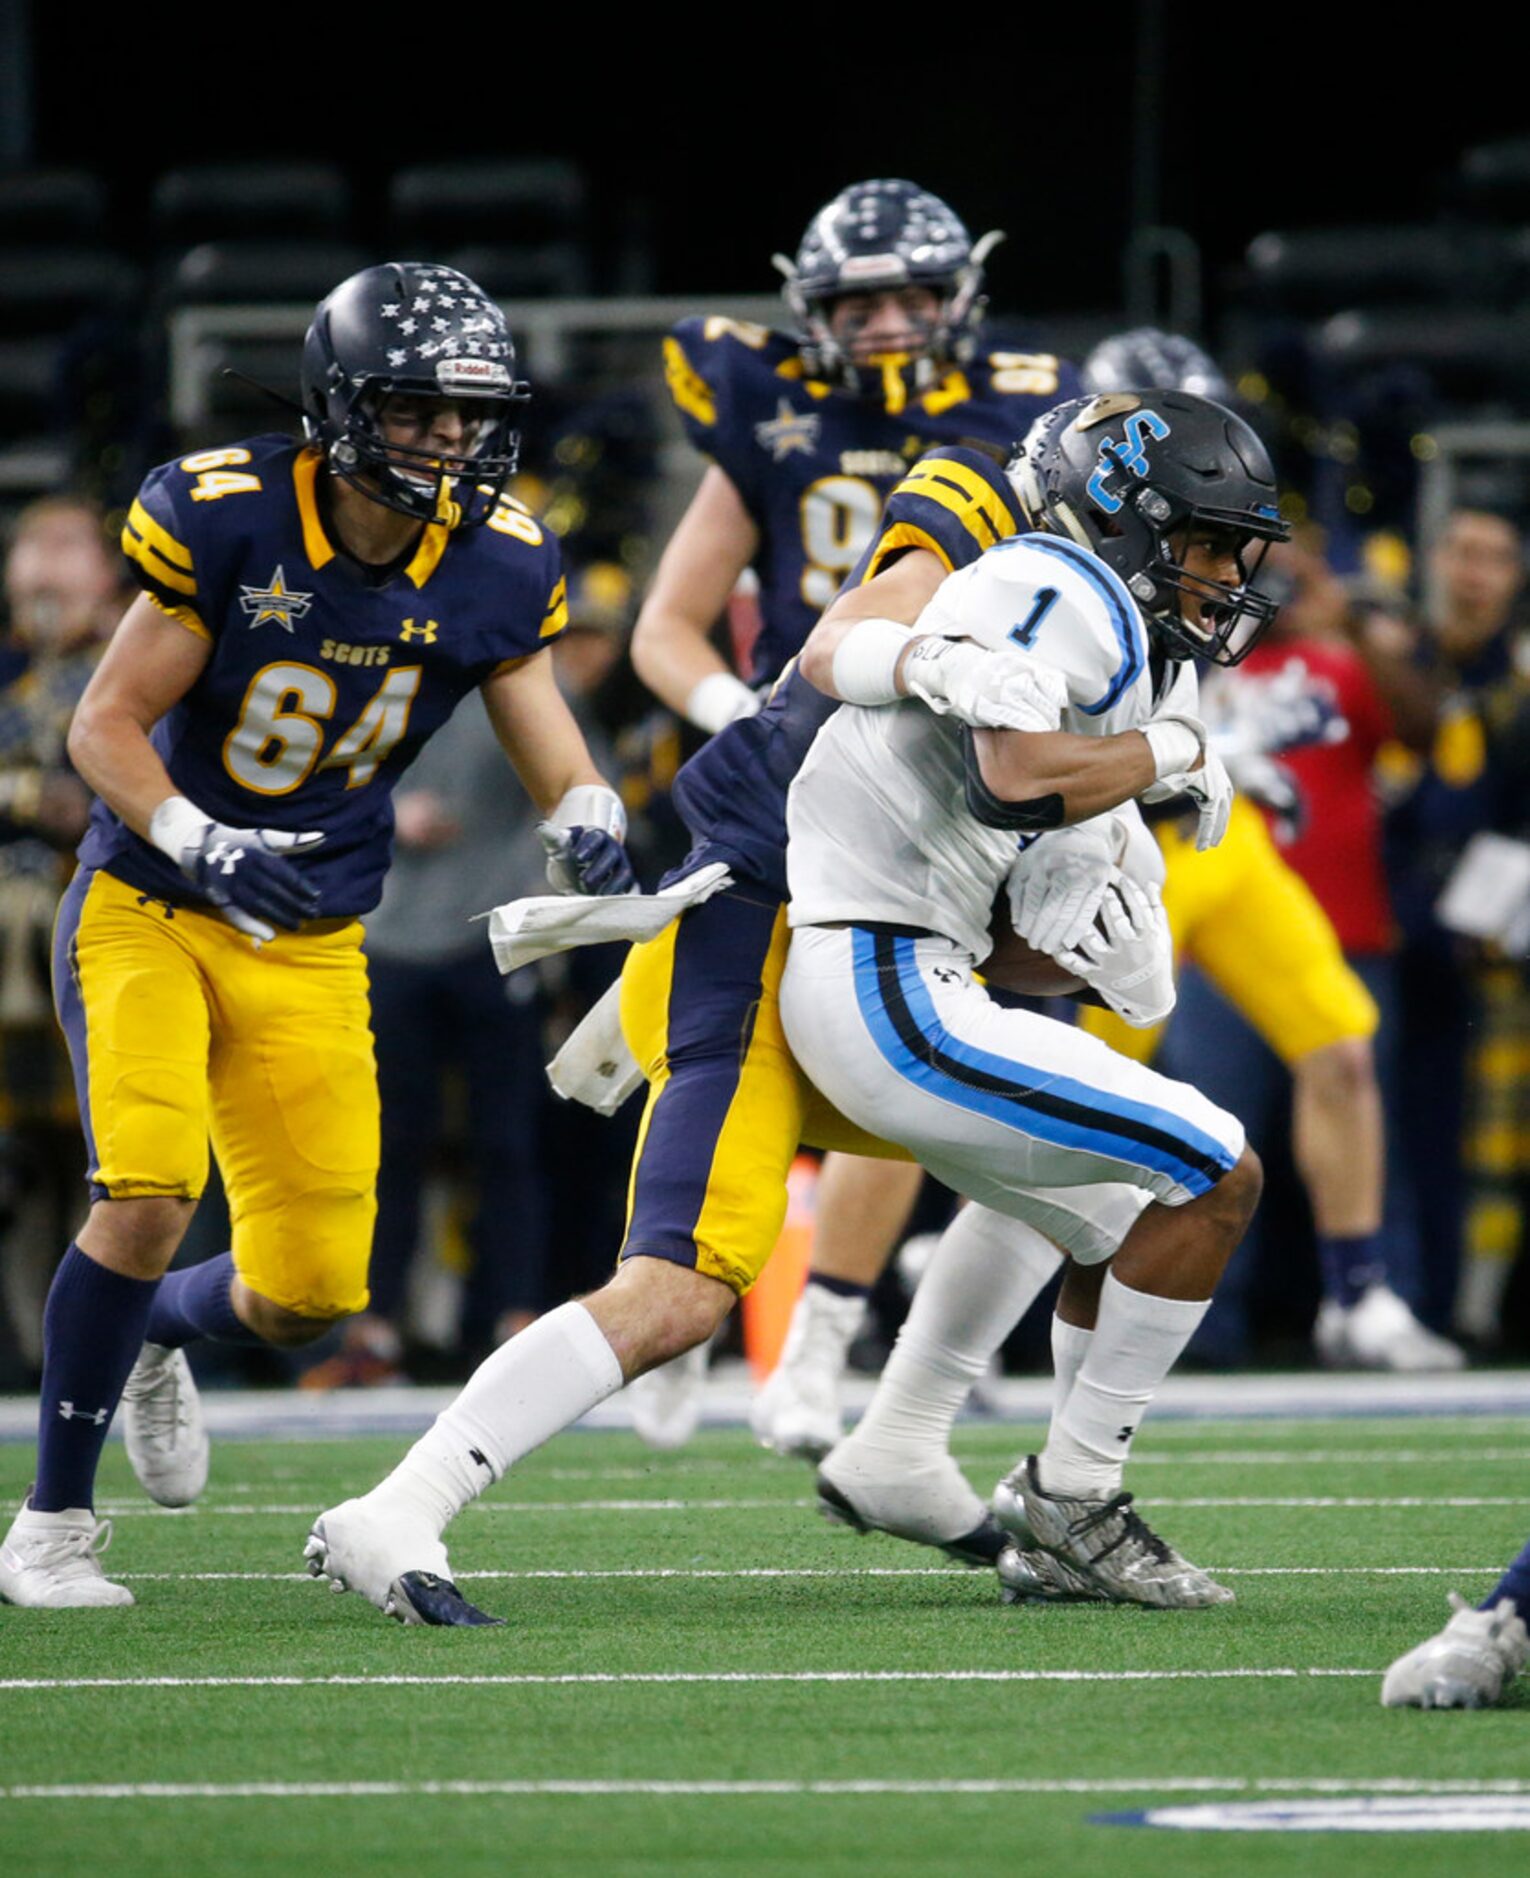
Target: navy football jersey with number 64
322,684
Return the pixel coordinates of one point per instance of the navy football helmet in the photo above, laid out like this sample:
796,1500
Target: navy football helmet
1147,357
886,233
1126,474
412,328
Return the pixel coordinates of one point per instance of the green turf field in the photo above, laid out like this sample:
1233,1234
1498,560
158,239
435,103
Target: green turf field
683,1629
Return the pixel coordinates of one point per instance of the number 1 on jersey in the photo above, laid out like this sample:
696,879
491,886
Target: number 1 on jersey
1025,633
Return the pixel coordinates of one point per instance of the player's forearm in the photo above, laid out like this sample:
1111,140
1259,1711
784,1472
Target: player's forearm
672,655
898,596
111,751
1069,778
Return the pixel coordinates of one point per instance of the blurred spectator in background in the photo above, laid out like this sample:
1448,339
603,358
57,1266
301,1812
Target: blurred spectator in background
1322,802
1472,649
1261,936
64,594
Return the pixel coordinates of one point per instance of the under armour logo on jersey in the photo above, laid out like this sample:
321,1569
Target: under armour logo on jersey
1126,1434
946,974
426,634
277,602
71,1414
223,857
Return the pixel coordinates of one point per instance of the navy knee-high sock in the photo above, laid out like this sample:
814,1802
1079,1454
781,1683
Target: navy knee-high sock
196,1303
1515,1585
93,1329
1350,1265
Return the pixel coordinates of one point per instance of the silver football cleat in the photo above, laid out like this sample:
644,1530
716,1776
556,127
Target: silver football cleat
1106,1541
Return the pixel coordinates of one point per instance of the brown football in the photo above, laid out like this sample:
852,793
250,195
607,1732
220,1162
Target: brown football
1015,966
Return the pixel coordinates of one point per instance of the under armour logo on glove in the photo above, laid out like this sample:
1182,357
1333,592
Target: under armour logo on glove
245,874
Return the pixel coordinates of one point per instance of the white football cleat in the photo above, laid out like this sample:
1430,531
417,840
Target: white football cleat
1467,1665
1381,1332
926,1500
162,1427
51,1561
666,1402
391,1559
797,1412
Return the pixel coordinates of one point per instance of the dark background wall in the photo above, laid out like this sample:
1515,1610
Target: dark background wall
709,137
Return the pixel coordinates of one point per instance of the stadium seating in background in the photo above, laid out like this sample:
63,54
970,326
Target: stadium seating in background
65,306
518,228
51,207
1492,181
237,201
1307,273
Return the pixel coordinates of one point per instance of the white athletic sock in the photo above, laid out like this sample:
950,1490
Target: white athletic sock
984,1276
1070,1345
543,1379
1136,1342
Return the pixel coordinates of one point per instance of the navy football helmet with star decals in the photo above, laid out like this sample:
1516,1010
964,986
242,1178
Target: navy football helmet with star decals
414,329
1131,475
878,235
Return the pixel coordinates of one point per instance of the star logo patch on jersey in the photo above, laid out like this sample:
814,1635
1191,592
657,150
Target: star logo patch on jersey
787,431
278,602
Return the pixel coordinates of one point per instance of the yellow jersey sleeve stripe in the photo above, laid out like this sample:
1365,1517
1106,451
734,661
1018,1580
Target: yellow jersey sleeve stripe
305,476
156,568
966,495
143,525
186,616
555,620
687,387
903,535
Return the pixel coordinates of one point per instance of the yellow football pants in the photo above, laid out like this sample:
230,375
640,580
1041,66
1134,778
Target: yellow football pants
179,1028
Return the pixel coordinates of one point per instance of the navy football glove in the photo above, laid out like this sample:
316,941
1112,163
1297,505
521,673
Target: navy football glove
243,873
585,860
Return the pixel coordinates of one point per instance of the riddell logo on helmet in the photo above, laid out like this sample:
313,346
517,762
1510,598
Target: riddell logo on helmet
871,267
452,374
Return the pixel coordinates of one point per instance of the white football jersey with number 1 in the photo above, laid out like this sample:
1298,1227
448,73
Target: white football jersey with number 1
879,825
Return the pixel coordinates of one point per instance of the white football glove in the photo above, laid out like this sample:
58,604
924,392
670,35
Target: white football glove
1128,956
1056,885
989,690
1209,786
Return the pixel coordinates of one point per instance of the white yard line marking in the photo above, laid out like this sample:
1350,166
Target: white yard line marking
1327,1457
731,1789
137,1509
1326,1501
830,1571
976,1456
732,1677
